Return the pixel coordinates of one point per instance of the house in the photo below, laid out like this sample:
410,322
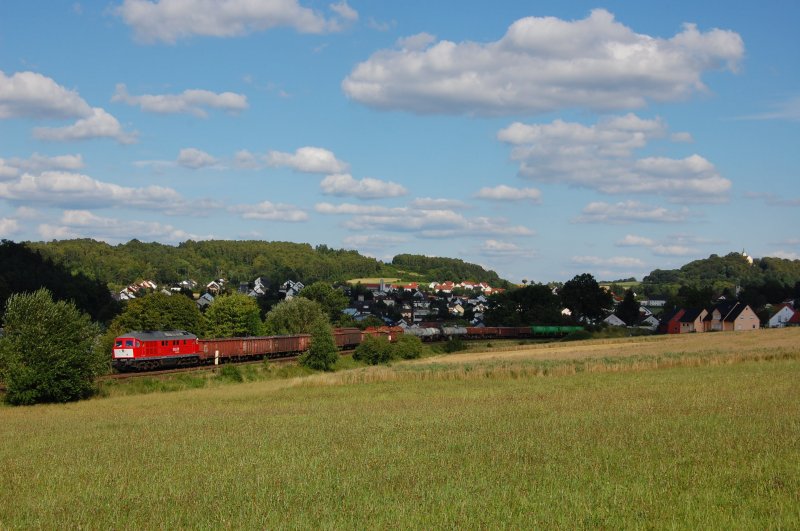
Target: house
731,316
692,321
670,322
290,288
205,300
782,316
613,320
215,286
650,322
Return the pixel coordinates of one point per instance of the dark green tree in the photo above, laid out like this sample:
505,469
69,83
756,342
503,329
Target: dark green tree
628,309
408,347
323,354
374,350
294,316
332,300
158,311
47,353
585,298
533,304
233,315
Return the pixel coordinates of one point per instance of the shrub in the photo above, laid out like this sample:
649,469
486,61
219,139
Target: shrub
577,335
454,344
374,350
408,347
323,354
230,373
47,354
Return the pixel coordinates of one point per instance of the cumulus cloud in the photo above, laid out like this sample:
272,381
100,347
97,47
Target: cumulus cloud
170,20
509,193
631,240
615,261
269,211
672,250
426,223
83,223
8,227
194,101
195,159
10,168
308,159
345,11
99,124
630,212
499,248
344,185
75,190
246,160
373,241
32,95
429,203
543,64
602,157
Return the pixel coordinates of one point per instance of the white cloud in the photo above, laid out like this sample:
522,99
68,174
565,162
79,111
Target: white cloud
601,157
195,159
344,185
245,160
631,240
194,101
543,64
351,209
83,223
308,159
8,227
99,125
788,110
630,212
32,95
615,261
170,20
773,199
417,42
508,193
75,190
373,241
345,11
11,168
681,137
267,210
24,212
429,203
503,249
672,250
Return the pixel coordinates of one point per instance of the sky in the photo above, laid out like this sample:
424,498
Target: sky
540,139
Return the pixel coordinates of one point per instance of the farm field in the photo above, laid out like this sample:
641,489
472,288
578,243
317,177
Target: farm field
686,432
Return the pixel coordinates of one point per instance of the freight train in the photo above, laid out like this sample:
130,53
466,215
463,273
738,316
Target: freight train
151,350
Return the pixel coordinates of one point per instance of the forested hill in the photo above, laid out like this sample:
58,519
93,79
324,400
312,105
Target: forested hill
441,269
719,273
242,261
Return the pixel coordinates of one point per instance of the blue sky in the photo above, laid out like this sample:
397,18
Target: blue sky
539,139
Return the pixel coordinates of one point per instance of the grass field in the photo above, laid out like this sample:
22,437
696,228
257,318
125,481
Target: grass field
700,431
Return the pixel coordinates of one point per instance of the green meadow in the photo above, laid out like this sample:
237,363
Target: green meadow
627,433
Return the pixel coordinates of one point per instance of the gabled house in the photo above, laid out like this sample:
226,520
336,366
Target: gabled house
692,321
650,322
670,322
205,300
613,320
782,316
731,316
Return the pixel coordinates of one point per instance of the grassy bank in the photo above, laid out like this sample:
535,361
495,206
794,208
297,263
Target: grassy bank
700,444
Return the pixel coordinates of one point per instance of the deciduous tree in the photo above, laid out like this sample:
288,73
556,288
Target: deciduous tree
323,354
47,353
233,315
295,316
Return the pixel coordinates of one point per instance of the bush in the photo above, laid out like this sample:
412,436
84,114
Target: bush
47,354
374,350
454,344
323,354
408,347
230,373
578,335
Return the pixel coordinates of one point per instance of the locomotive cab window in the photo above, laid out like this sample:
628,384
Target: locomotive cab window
118,343
129,342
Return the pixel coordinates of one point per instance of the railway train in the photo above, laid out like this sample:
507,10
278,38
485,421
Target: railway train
151,350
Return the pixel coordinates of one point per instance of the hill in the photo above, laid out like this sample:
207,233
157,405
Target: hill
729,272
242,261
